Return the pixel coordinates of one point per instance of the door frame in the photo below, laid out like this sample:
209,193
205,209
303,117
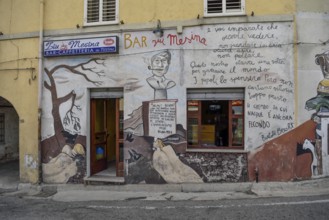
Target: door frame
101,93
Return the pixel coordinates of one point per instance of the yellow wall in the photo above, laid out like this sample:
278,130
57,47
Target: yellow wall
273,7
63,14
18,16
140,11
171,10
23,15
20,88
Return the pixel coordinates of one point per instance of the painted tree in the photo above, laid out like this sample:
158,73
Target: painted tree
86,70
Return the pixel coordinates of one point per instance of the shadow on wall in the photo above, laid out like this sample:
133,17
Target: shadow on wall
277,160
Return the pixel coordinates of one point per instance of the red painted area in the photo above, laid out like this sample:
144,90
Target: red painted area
277,159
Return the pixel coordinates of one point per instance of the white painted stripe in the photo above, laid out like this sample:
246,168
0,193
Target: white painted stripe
297,202
207,207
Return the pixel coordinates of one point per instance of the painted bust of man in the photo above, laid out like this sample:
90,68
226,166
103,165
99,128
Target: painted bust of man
159,66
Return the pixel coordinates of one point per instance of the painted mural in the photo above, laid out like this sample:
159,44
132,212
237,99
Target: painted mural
63,152
159,65
302,153
321,108
155,74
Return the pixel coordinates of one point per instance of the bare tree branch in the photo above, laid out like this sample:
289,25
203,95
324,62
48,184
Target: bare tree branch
47,86
67,97
74,70
70,117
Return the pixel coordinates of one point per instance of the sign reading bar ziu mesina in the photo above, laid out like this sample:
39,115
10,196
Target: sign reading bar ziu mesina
83,46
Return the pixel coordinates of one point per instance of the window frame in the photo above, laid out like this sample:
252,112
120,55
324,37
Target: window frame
242,10
2,129
100,22
207,94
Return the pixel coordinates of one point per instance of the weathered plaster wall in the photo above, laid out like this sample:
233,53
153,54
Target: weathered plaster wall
253,56
222,56
19,16
313,64
283,158
19,87
219,167
62,14
318,6
277,7
312,33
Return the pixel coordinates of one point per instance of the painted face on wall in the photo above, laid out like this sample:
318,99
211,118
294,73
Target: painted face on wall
160,65
323,61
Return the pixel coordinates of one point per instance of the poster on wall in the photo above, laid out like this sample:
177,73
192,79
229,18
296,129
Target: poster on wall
160,118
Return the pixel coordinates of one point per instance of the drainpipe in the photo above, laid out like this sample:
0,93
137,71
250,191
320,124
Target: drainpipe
40,83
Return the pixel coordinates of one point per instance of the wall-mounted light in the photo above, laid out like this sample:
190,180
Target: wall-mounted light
179,29
158,31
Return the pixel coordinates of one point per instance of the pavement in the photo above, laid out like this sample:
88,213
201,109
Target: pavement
10,185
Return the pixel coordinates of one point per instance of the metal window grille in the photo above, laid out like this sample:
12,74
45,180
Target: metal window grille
101,11
215,6
109,11
2,128
233,5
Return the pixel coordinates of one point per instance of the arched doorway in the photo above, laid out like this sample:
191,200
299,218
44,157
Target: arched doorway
9,144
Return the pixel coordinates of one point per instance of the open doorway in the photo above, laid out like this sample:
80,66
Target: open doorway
106,136
9,144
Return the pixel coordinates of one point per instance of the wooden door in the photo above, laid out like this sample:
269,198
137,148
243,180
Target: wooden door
99,134
119,137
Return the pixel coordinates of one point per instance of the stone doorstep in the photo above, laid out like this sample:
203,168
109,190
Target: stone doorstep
104,179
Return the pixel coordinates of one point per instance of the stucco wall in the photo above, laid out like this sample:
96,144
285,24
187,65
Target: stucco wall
313,63
20,16
219,167
18,85
312,35
254,56
320,6
276,7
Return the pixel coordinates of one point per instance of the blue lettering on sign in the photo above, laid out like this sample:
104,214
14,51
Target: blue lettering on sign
78,44
79,51
81,46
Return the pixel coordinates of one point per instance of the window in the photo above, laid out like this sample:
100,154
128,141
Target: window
215,118
2,128
223,7
98,12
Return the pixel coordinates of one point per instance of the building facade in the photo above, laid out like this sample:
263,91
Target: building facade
157,92
19,66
